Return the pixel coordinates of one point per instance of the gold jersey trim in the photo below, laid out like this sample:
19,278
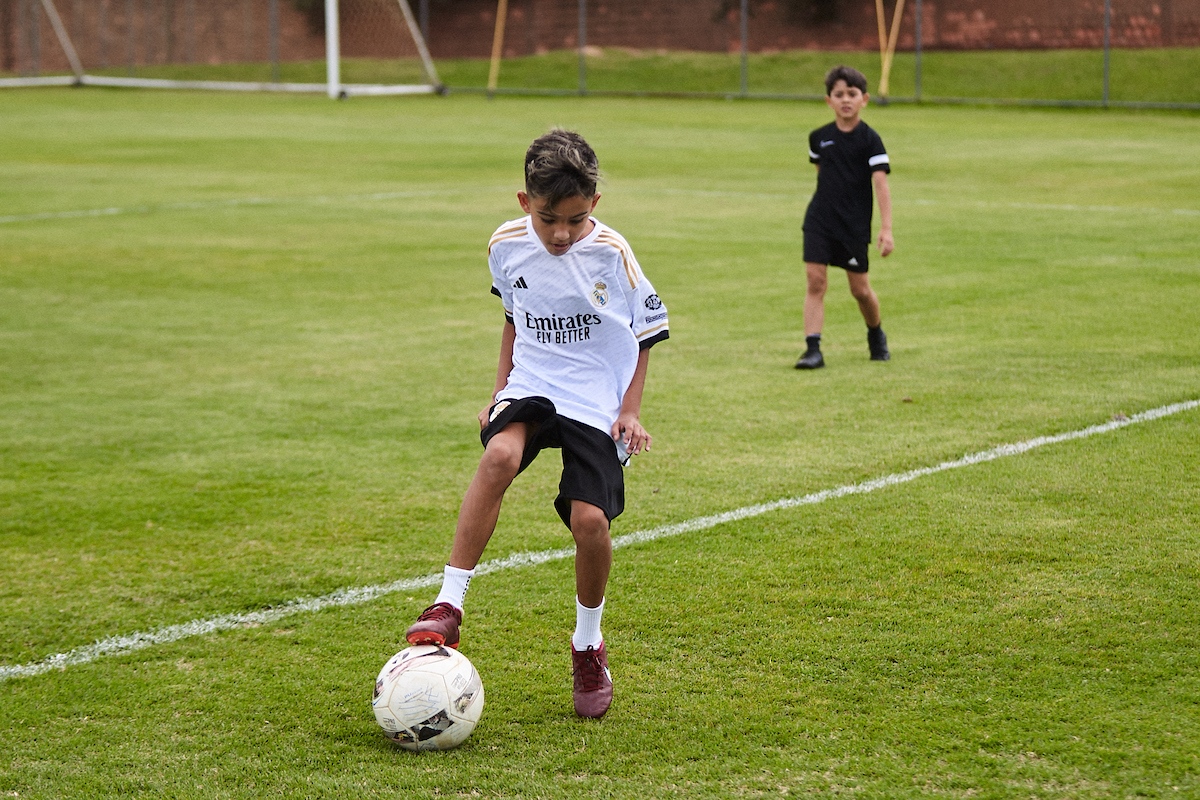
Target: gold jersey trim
651,331
515,231
614,240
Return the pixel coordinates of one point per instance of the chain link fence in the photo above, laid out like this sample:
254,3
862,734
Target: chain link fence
1073,52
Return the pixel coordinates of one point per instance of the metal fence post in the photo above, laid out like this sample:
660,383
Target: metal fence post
34,33
131,36
582,47
169,30
745,20
274,21
102,33
1107,32
189,12
917,90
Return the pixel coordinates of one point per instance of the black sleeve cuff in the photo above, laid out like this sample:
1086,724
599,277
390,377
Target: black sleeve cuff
646,344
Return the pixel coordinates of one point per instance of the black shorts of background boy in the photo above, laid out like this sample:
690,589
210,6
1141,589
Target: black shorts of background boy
852,164
580,318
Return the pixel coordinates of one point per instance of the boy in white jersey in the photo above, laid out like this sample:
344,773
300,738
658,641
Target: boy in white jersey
580,318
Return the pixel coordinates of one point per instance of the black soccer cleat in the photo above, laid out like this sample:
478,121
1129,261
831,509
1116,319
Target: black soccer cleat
812,359
877,342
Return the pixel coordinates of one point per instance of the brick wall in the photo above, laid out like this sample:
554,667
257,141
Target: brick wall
111,33
463,28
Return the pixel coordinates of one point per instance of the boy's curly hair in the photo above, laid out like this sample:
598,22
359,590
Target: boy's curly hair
561,164
850,75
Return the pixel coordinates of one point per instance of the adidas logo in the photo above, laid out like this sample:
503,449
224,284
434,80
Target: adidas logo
520,284
853,262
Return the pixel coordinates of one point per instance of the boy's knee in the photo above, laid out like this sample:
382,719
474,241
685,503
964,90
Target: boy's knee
817,281
860,287
587,520
501,460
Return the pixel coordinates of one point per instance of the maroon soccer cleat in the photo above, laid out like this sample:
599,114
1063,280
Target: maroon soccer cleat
593,681
437,624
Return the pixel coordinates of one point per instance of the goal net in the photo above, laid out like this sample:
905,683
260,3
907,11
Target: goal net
339,47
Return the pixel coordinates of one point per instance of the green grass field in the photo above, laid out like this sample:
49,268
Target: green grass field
243,340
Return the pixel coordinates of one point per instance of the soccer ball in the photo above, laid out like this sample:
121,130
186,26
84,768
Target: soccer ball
428,697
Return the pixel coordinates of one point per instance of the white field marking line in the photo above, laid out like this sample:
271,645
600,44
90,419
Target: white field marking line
1016,206
43,216
1182,212
200,205
119,645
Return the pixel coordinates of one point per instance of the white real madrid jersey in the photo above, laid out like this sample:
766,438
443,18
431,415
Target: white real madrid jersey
580,318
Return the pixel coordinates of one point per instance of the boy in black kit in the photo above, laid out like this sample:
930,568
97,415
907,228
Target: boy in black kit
850,160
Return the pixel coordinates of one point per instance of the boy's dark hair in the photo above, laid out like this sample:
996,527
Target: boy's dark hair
561,164
850,75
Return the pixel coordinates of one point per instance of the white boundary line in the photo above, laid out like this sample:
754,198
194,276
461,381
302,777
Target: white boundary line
119,645
1016,206
43,216
1182,212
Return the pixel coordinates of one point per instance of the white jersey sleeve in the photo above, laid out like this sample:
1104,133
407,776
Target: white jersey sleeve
649,315
501,286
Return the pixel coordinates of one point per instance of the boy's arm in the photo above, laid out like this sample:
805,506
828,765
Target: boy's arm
628,427
886,243
507,338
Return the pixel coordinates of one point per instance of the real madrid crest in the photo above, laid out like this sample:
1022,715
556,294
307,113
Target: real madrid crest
600,294
496,409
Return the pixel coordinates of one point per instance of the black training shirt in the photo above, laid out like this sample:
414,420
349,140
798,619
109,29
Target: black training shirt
841,207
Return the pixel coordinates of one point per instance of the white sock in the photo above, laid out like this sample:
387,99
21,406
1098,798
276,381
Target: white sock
454,586
587,626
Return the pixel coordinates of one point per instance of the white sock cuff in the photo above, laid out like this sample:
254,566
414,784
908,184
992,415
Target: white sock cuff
581,608
587,626
454,586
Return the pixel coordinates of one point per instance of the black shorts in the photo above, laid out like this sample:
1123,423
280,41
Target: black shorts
820,248
591,469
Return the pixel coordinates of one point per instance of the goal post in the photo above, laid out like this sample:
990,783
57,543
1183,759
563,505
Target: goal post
64,42
335,53
342,48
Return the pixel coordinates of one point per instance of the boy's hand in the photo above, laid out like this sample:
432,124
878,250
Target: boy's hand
628,429
886,243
